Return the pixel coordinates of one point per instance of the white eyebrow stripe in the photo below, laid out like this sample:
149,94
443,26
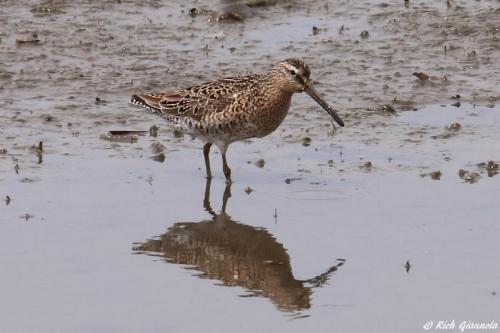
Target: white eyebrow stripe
291,67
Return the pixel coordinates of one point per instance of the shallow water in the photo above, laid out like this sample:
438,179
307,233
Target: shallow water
74,258
97,236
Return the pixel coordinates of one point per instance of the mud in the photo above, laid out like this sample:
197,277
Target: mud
320,221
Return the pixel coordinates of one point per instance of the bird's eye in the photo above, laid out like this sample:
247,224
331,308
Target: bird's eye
292,72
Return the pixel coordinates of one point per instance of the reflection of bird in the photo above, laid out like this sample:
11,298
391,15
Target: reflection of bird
237,255
227,110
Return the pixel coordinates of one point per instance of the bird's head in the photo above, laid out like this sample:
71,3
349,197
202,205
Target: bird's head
293,74
294,77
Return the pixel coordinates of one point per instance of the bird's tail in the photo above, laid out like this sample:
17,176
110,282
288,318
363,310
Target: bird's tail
148,101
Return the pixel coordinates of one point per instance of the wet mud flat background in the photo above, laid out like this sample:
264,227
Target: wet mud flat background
384,224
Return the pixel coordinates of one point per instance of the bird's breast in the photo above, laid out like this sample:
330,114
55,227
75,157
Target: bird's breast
247,118
270,114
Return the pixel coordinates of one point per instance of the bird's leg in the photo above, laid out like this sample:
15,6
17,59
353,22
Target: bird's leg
206,151
227,171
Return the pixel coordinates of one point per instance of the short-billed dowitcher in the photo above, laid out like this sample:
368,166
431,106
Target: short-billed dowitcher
236,108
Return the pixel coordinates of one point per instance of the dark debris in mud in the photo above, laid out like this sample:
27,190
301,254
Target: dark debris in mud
159,157
157,147
260,163
27,216
364,34
118,136
47,8
48,118
407,266
290,180
491,167
434,175
154,131
101,101
386,108
31,39
29,180
421,76
306,142
367,166
455,127
450,131
469,177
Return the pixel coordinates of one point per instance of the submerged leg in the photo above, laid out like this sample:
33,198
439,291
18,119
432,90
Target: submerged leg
206,151
227,171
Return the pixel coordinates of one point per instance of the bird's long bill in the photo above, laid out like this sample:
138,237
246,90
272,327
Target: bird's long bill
311,92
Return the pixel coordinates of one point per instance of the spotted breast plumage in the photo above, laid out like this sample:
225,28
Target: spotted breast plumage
236,108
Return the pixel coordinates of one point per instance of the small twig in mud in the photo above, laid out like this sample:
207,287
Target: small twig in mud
30,39
39,152
7,200
16,168
275,215
290,180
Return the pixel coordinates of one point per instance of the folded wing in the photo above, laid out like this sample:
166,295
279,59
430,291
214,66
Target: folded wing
197,101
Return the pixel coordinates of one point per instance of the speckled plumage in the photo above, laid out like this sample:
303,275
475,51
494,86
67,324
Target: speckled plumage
232,109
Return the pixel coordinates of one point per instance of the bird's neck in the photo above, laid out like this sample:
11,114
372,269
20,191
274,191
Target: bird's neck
274,84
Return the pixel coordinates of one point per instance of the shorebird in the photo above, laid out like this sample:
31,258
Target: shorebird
235,108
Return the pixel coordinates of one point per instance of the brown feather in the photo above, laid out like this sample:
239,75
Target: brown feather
197,101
